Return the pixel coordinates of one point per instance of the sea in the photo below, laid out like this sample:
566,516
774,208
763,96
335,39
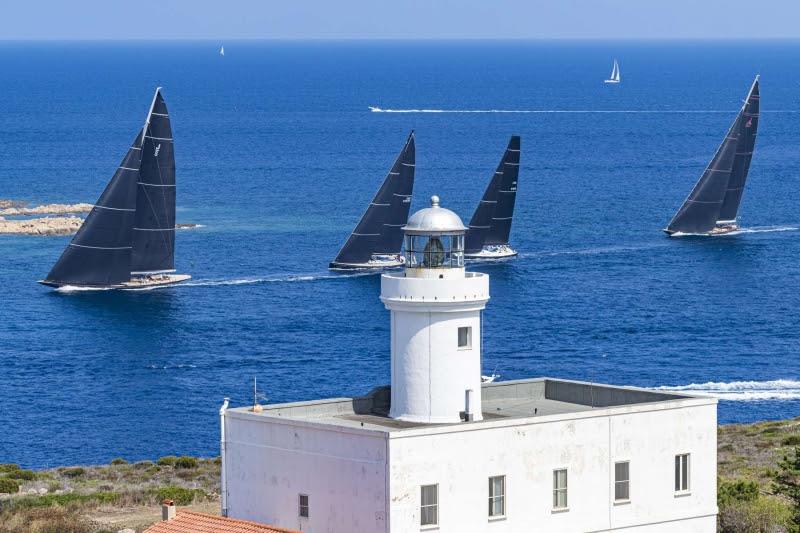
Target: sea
279,147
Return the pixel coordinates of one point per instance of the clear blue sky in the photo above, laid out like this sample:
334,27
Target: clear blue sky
321,19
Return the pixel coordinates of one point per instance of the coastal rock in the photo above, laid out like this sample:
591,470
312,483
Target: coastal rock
126,530
7,204
41,226
48,209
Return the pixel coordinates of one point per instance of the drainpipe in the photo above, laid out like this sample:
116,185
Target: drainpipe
223,485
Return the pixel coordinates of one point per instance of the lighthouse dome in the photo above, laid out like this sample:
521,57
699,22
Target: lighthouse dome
434,220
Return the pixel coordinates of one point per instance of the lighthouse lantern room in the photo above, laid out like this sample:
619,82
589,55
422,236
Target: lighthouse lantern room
435,310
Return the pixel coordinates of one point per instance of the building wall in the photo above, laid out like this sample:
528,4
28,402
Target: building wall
268,464
461,463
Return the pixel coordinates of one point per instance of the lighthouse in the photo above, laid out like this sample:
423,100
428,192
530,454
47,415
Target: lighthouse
435,308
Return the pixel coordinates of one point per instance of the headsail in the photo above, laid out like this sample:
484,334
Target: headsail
700,211
491,222
154,225
379,230
100,253
748,128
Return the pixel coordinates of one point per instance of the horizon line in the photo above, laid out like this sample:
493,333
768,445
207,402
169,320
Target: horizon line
397,39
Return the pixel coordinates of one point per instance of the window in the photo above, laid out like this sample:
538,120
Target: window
429,505
303,506
465,337
560,489
497,496
622,481
682,472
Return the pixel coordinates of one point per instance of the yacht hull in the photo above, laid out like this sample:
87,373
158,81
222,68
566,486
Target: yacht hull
369,265
493,252
161,280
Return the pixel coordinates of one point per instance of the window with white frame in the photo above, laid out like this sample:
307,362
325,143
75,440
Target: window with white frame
429,505
682,472
302,502
560,488
497,496
622,481
465,337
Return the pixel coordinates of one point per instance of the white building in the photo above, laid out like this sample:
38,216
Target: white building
438,450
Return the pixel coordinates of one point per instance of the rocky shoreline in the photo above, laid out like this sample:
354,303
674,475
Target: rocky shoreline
67,225
12,208
63,223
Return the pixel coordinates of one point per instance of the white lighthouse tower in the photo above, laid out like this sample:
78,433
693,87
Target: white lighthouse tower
436,323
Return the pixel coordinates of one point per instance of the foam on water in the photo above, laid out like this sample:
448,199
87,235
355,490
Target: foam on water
743,391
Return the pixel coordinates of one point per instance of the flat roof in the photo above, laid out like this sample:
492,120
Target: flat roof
504,400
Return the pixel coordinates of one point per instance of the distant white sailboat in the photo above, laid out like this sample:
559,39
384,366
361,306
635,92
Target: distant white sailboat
614,78
222,50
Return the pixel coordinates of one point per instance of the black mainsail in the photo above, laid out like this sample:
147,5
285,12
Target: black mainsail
154,225
379,232
701,210
491,222
99,254
748,128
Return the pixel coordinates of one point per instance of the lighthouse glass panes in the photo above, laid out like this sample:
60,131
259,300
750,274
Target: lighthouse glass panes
429,505
434,251
497,496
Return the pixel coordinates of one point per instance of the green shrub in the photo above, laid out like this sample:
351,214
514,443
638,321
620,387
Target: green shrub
167,460
186,462
65,499
179,495
736,490
142,464
6,468
119,461
755,516
8,486
54,486
26,475
791,440
73,472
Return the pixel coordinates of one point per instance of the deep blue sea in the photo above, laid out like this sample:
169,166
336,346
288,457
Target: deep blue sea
277,155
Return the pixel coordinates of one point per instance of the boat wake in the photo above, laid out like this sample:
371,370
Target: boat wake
765,229
743,391
592,251
67,289
740,231
376,109
171,367
276,279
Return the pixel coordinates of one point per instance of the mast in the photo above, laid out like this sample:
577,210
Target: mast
99,255
700,211
154,225
491,222
748,129
379,229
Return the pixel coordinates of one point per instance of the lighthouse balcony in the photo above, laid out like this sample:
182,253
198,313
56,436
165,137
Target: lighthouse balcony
470,287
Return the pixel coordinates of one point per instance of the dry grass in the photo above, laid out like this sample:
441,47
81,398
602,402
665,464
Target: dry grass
752,451
93,499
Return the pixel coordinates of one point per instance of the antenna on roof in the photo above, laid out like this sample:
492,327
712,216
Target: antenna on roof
256,396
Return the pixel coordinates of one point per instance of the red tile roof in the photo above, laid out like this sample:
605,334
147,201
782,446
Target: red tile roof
192,522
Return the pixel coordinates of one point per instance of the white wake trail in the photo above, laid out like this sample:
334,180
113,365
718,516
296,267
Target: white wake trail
376,109
742,391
